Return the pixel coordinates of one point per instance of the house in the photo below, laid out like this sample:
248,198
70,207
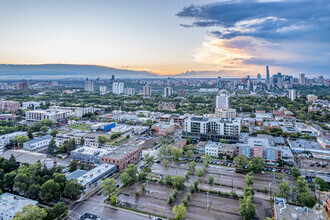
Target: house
37,143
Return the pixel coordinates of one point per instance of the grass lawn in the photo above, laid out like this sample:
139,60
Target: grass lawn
77,126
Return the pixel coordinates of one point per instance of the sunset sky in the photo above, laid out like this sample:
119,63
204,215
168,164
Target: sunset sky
228,38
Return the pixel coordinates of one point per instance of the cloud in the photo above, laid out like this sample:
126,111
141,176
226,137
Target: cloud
274,20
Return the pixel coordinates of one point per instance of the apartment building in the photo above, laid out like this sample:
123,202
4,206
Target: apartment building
6,138
9,105
53,114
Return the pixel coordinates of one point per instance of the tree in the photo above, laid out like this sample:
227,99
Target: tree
31,212
73,166
44,129
224,141
241,160
33,191
30,134
176,153
189,154
307,199
8,180
21,139
295,172
114,199
50,190
109,186
150,160
102,139
249,179
206,159
142,176
72,189
200,172
178,182
256,164
82,141
180,211
125,178
246,208
51,146
57,211
285,188
324,186
47,122
53,133
12,163
60,178
211,179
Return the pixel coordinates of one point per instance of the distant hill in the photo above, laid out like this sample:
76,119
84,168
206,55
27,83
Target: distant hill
59,71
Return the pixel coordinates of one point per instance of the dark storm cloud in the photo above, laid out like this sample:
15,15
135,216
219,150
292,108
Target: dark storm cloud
269,20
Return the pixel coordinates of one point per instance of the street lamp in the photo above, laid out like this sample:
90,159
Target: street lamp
207,199
270,190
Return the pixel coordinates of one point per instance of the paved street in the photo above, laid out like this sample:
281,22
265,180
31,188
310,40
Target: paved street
94,204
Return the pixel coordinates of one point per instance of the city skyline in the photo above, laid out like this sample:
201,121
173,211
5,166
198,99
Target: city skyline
184,39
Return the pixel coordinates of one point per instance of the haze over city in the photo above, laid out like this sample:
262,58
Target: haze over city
185,38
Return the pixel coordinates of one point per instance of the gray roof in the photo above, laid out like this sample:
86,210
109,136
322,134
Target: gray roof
46,137
76,174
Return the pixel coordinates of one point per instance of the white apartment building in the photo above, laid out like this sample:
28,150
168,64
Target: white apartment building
222,99
118,88
89,85
146,90
225,113
168,91
52,114
37,143
80,111
103,90
212,149
129,91
292,94
6,138
31,105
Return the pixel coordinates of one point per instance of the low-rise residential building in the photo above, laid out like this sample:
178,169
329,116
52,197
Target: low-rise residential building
162,129
200,147
80,111
11,204
214,129
37,142
225,113
212,148
9,105
173,118
227,150
31,105
179,143
89,155
6,138
52,114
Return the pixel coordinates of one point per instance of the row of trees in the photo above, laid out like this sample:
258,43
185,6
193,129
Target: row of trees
246,207
254,164
35,212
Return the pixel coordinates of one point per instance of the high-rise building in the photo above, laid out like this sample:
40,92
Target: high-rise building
182,93
23,86
89,85
279,82
292,94
113,78
168,91
129,91
118,88
219,82
222,99
302,79
103,90
320,80
146,90
267,73
259,78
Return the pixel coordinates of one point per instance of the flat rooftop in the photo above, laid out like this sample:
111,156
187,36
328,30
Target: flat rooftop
305,144
11,204
23,156
95,173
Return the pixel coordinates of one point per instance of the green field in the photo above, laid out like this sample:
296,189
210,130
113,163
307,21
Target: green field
85,127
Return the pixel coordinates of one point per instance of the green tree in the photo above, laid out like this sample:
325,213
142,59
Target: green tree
180,211
241,160
114,199
206,159
324,186
33,191
8,180
102,139
249,179
44,129
58,210
52,146
307,199
149,159
211,179
189,154
21,139
60,178
256,164
82,141
53,133
224,141
246,208
31,212
178,182
48,122
72,189
200,172
142,176
109,186
73,166
50,190
30,134
285,189
295,172
125,178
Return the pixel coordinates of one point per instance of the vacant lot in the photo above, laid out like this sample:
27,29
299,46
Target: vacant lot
84,127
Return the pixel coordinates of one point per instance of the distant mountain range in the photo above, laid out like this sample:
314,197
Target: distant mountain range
59,71
65,71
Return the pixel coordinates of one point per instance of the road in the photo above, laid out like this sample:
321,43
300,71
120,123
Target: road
94,204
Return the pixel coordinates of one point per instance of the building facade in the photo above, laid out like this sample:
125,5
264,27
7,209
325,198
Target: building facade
146,90
9,105
37,143
225,113
118,88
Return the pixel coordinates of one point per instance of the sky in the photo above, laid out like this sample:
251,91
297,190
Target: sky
169,37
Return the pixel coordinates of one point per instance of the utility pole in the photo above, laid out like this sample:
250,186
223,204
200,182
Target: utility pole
147,188
207,200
